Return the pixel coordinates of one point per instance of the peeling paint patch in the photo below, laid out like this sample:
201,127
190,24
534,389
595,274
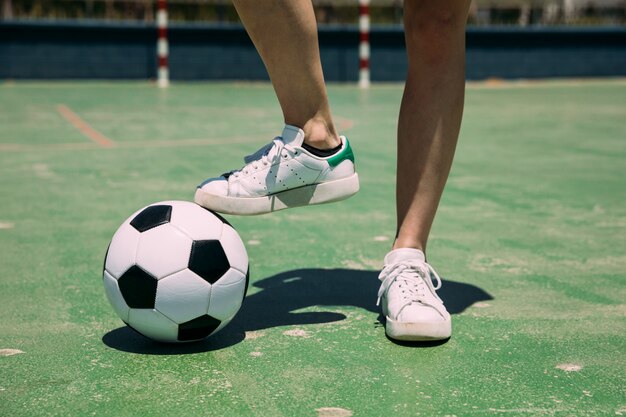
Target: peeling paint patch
362,263
254,242
333,412
10,352
256,354
6,225
569,367
254,335
297,333
381,238
482,305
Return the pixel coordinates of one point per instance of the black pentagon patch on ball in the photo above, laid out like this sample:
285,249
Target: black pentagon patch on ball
208,260
198,328
138,288
152,216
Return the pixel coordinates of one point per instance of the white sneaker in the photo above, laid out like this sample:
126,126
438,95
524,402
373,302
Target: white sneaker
282,175
410,302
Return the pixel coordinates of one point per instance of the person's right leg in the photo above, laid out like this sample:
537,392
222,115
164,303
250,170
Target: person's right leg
428,129
285,35
309,163
430,114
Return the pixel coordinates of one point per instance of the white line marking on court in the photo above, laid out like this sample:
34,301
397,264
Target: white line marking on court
10,352
16,147
143,144
495,83
7,225
84,127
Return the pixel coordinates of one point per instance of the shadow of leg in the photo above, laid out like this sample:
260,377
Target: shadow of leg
283,295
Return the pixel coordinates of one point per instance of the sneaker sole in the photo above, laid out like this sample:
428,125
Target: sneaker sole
325,192
418,331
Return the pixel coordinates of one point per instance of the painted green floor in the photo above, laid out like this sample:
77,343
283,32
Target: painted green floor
530,239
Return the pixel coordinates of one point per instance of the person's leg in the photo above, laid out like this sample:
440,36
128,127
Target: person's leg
430,116
428,128
285,35
308,163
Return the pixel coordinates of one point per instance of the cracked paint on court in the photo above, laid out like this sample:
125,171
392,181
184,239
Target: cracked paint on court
297,333
333,412
10,352
569,367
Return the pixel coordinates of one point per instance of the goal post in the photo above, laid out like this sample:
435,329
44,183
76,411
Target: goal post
364,44
163,75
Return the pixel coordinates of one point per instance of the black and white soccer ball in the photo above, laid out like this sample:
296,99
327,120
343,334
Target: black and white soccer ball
176,272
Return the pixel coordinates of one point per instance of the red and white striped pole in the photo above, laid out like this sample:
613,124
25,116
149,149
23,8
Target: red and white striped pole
163,79
364,43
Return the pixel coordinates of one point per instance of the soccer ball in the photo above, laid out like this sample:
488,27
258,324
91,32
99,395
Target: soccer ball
176,272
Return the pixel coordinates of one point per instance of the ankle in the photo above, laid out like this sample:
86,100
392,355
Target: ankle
408,244
320,133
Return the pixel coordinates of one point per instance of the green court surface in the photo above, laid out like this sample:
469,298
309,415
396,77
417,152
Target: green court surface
530,239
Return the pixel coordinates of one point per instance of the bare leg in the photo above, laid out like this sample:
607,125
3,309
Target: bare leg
431,112
285,34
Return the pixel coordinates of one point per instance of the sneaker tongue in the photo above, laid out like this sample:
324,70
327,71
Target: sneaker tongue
404,254
293,135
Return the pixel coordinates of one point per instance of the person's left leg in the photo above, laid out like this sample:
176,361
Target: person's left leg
284,33
428,129
309,163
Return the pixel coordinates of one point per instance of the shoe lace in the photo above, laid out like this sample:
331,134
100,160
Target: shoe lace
266,155
412,277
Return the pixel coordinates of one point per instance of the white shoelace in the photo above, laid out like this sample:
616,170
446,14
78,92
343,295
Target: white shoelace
267,155
413,275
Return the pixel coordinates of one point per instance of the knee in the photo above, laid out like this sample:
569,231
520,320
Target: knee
433,33
424,20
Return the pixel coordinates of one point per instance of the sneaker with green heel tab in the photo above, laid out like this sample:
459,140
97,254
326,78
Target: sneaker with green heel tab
280,175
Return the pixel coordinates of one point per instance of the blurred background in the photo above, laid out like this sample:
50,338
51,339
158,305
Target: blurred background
117,39
388,12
